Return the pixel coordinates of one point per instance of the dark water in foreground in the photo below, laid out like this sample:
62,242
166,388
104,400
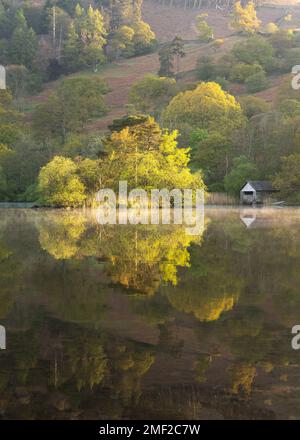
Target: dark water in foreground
145,322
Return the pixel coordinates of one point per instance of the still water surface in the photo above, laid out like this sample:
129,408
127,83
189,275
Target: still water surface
133,322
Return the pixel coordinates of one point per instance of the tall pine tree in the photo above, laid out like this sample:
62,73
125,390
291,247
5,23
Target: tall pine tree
24,44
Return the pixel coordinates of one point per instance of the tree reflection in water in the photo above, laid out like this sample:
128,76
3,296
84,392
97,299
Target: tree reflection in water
145,321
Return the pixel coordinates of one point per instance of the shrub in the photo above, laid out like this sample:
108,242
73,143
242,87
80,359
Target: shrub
152,93
218,43
255,50
241,71
271,28
222,82
281,40
256,82
290,107
206,69
252,105
291,57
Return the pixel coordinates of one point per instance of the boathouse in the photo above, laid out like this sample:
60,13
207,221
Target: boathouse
256,191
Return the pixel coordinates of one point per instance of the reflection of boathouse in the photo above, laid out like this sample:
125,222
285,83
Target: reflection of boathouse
256,191
259,218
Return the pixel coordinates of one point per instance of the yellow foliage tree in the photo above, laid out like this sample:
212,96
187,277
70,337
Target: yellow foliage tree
207,106
242,378
245,19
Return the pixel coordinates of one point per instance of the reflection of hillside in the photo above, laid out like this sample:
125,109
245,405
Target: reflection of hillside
10,272
76,291
210,288
70,372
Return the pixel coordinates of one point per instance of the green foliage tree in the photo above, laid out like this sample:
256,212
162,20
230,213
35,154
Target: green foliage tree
257,82
206,68
165,61
255,49
76,101
89,172
288,178
121,41
23,44
152,93
177,50
242,170
72,49
281,40
85,40
20,156
208,117
168,54
241,71
290,108
143,38
252,105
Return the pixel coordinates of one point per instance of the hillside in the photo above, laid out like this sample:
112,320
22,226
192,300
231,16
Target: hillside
217,78
168,22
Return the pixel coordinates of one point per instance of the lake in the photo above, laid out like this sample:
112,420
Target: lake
146,322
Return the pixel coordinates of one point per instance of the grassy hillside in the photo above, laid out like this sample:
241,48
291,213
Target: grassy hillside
166,23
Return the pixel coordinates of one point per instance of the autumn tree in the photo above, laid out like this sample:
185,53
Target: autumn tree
147,157
205,32
207,106
121,42
207,118
128,33
244,19
60,185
